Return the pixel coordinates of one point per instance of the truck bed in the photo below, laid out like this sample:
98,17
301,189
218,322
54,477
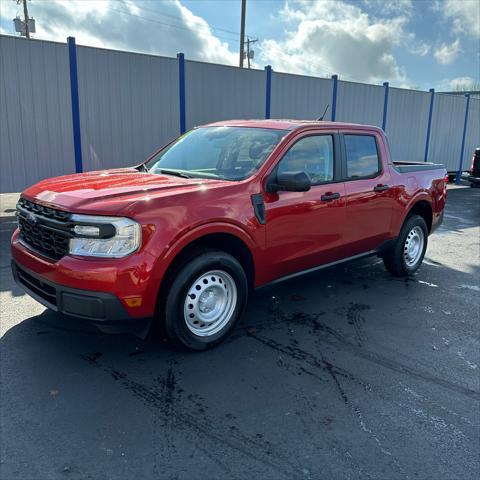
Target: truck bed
406,167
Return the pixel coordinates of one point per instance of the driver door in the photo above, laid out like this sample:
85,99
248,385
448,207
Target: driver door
307,229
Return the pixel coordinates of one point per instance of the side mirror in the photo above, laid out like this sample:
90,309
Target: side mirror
289,182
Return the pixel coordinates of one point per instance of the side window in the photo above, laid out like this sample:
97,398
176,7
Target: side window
312,154
362,156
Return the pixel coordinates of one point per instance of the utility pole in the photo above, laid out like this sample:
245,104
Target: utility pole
242,31
25,15
26,26
250,53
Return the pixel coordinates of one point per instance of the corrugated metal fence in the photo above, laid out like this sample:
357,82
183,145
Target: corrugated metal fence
129,104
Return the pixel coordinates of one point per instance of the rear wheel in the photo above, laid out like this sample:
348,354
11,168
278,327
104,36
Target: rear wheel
206,298
407,254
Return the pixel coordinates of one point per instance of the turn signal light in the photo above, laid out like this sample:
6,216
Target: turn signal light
133,301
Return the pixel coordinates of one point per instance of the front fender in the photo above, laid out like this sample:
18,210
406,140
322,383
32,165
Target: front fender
188,236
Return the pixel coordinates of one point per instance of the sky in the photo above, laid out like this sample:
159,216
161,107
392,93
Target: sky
417,44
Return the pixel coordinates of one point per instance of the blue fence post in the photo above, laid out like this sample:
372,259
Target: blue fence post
268,90
462,151
77,138
385,106
334,97
429,127
181,91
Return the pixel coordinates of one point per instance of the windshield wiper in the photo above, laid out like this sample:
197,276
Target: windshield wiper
174,172
143,167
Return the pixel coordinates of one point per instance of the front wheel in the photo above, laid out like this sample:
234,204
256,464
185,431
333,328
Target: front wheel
205,300
407,255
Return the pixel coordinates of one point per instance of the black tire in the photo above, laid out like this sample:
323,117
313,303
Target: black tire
395,259
175,321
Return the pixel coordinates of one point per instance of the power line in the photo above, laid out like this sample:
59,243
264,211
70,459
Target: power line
159,22
180,27
147,19
176,17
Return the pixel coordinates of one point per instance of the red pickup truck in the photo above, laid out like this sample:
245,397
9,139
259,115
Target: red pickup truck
223,209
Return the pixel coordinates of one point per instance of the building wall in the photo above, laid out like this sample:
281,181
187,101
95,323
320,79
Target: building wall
297,96
447,128
35,112
360,103
129,107
407,122
219,92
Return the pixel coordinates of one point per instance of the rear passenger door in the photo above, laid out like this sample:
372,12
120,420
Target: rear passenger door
368,192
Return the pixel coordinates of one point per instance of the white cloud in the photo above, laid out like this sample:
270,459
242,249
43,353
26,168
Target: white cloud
326,37
464,15
121,24
447,53
459,84
391,7
420,49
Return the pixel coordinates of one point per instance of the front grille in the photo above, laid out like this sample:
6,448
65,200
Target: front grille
44,229
44,211
43,290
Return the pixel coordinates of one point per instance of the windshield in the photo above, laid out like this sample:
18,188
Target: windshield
229,153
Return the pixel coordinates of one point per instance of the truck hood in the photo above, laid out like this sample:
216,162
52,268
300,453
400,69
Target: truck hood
109,191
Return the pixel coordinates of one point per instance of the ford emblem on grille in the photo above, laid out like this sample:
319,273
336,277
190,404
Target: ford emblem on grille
31,218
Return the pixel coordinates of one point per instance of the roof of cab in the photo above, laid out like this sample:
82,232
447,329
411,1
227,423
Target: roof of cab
285,124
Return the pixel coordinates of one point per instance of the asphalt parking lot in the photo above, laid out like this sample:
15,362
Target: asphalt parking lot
346,373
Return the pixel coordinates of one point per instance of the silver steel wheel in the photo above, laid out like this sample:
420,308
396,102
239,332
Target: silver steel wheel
413,248
210,303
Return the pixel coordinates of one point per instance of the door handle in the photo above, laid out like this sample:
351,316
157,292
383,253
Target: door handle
381,188
328,197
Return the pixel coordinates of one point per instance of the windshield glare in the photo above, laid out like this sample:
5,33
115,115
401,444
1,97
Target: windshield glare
229,153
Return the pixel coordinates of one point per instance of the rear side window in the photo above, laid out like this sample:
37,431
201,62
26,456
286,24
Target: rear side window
362,156
312,154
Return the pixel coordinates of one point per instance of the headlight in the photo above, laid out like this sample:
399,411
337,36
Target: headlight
112,237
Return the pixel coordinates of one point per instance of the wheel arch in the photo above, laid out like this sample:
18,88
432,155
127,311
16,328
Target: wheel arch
225,241
228,238
423,208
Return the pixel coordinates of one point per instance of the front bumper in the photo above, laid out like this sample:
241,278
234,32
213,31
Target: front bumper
103,310
132,277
